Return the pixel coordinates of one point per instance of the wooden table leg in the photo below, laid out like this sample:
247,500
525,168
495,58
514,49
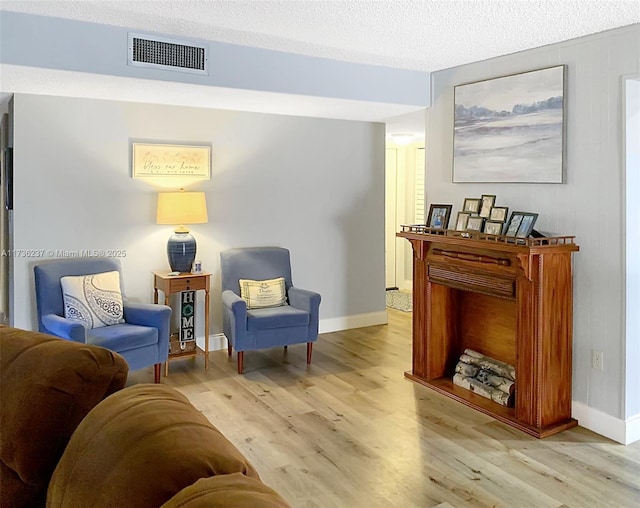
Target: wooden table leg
206,328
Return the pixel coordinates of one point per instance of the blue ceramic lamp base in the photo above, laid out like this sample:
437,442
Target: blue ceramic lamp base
181,251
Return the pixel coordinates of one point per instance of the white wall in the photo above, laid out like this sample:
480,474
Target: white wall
589,205
631,89
314,186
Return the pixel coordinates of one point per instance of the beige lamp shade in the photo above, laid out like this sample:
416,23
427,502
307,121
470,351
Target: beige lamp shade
182,208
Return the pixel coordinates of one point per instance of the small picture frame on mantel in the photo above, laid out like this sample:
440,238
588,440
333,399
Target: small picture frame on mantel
493,227
439,216
472,205
486,204
499,213
461,221
475,223
520,224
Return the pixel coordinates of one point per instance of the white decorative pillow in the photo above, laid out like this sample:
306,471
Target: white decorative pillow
263,293
95,300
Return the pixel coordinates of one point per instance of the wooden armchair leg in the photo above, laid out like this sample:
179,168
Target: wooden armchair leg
240,361
286,348
229,347
309,349
156,372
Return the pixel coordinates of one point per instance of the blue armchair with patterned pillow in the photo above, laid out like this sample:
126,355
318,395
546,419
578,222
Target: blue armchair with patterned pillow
82,299
260,306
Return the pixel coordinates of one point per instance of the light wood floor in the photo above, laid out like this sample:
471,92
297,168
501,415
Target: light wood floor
351,431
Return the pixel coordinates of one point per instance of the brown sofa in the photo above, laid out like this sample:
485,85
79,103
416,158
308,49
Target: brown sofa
72,436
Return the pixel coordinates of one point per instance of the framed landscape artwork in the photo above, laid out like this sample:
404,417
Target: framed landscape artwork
510,129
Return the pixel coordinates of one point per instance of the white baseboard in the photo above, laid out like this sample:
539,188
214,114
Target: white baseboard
622,431
217,341
353,321
407,285
633,429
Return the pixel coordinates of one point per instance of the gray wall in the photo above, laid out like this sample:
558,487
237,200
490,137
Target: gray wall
314,186
590,205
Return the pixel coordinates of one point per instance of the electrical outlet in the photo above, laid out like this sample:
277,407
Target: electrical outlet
597,360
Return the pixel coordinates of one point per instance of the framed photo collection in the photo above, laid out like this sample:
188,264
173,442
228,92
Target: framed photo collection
481,215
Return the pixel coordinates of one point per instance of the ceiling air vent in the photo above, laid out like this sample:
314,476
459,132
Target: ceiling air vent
167,54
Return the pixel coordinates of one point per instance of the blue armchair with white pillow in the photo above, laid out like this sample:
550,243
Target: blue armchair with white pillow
260,306
82,299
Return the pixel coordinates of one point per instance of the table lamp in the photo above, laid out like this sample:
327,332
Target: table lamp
181,208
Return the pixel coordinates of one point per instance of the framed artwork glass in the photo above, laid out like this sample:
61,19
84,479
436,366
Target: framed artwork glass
461,221
513,224
439,216
152,160
498,121
486,204
493,227
520,224
471,205
526,225
475,223
499,213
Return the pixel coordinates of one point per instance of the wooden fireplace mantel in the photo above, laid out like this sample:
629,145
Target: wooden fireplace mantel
510,299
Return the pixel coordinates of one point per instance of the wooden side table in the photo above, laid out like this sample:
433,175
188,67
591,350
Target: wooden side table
169,284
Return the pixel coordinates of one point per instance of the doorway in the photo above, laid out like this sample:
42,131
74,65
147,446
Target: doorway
404,204
391,217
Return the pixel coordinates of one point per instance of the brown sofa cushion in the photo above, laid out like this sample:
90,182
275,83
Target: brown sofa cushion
48,386
227,490
140,447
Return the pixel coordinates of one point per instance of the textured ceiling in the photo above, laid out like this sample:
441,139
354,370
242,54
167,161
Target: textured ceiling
425,35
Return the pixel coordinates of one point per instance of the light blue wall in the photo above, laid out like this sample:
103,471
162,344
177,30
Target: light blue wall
55,43
314,186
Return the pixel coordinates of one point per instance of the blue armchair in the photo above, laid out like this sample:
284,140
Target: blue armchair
143,336
259,328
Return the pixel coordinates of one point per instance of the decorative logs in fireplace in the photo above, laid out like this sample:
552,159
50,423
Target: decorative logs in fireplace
486,376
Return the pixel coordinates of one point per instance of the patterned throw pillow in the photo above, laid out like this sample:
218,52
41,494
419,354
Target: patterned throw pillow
263,293
95,300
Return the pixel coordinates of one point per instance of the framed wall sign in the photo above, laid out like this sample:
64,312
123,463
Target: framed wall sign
510,129
159,160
